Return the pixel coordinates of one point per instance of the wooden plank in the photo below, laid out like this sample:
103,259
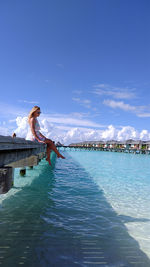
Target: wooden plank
7,157
9,143
15,149
18,146
30,161
9,139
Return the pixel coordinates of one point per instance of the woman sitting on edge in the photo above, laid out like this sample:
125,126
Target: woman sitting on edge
35,134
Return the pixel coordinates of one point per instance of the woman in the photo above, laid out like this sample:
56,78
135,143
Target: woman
35,134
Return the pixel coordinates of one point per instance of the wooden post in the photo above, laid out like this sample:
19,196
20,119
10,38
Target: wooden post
23,171
6,179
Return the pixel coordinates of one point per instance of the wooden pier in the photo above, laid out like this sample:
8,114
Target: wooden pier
17,153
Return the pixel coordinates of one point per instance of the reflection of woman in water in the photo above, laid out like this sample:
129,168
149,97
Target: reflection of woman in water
35,134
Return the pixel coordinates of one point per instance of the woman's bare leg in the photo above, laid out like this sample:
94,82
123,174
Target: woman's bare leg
48,154
53,147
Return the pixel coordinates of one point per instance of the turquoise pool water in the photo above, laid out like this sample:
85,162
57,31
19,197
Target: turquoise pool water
92,209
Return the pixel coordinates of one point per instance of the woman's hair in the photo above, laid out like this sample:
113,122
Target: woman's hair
34,109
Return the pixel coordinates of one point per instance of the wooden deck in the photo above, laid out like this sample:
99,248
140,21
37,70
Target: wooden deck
15,153
15,149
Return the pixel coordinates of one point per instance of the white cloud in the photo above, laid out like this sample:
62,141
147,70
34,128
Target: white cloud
13,120
28,102
145,135
83,102
126,133
68,134
59,128
74,119
110,133
74,128
144,115
119,104
138,110
121,93
101,85
9,111
5,131
78,92
115,92
22,126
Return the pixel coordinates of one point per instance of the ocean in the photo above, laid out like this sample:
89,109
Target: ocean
91,209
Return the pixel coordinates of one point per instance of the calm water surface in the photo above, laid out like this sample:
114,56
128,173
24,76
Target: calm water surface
93,209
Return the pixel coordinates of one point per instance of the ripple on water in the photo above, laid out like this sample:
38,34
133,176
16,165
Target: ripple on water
69,216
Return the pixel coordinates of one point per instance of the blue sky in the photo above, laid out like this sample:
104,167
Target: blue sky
85,61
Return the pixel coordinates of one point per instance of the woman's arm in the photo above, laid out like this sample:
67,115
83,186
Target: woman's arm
42,135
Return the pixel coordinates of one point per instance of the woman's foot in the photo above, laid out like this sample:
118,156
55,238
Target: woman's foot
49,161
60,156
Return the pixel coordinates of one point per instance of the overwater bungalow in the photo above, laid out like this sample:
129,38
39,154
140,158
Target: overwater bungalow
145,145
113,144
120,145
133,144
